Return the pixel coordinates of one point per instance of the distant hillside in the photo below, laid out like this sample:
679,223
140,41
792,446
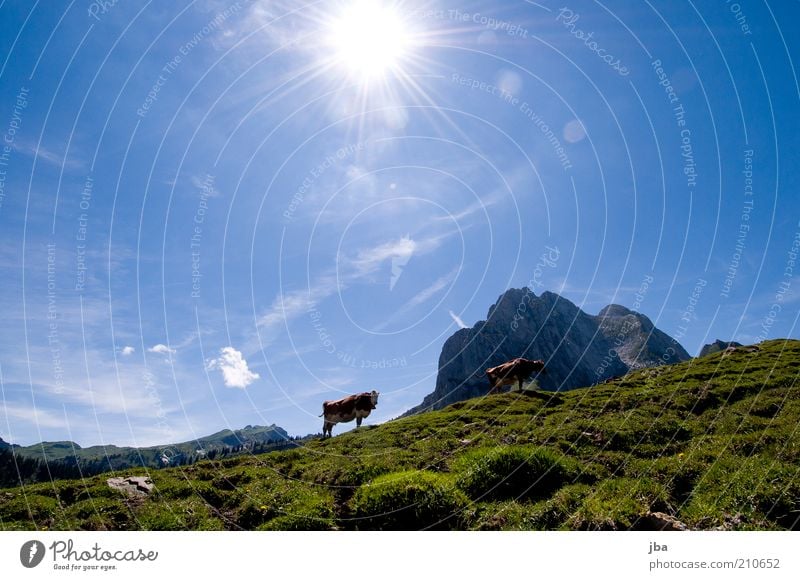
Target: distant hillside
706,444
717,346
66,459
579,349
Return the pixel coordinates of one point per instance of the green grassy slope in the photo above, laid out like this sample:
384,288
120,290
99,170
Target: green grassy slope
714,442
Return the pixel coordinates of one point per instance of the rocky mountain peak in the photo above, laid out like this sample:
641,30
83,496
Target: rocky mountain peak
615,310
579,349
508,302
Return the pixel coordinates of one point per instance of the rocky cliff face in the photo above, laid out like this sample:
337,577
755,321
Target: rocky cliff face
578,349
637,341
716,346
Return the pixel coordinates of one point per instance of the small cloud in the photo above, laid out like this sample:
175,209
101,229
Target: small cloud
161,349
235,371
457,319
129,350
205,185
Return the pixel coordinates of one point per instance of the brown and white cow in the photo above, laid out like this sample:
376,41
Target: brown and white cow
513,371
345,410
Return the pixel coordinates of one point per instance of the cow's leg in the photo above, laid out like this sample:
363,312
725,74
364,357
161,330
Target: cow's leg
358,421
498,385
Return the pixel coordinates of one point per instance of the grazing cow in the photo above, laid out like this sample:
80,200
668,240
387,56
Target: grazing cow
517,370
345,410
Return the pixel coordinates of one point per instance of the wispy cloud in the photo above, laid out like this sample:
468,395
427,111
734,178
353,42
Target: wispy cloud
204,184
367,260
363,263
421,297
457,319
290,305
235,372
432,290
47,156
513,180
127,350
33,415
481,204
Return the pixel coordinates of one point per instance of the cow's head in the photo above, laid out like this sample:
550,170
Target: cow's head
374,398
537,366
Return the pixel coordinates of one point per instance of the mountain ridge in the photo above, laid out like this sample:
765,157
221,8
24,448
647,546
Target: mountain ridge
50,460
230,437
579,349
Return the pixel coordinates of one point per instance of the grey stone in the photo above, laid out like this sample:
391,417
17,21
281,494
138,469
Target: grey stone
133,486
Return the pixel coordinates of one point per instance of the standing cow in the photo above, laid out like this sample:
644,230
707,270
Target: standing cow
513,371
345,410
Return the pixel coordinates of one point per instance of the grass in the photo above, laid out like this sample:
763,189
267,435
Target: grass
409,500
511,472
714,442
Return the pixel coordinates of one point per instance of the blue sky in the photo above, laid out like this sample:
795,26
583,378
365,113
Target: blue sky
220,213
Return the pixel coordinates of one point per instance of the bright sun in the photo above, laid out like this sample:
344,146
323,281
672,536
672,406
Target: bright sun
369,38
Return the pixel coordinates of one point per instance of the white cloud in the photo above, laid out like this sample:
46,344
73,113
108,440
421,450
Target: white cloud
161,349
235,371
33,415
127,350
457,320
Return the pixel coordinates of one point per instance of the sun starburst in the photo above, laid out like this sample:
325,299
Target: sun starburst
369,39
